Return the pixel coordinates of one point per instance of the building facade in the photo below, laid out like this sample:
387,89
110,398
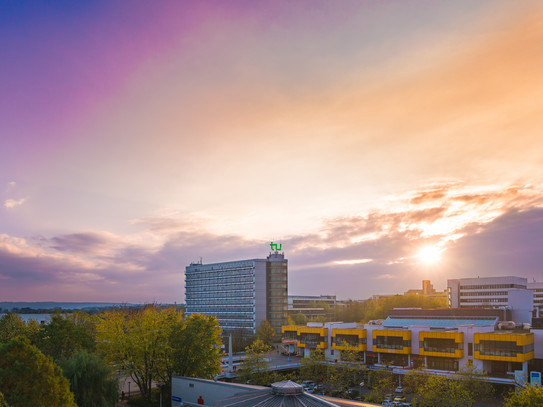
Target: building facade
241,294
312,306
438,341
494,292
537,290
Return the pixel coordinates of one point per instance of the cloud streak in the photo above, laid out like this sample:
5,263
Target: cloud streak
12,203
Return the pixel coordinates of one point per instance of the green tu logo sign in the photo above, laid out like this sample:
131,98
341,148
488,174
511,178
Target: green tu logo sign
275,247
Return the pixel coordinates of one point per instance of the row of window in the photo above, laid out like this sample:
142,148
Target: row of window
217,280
391,342
350,340
482,293
502,348
208,304
214,310
490,286
441,345
485,300
221,294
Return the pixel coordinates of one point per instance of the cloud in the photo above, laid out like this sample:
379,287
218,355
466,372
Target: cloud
497,230
12,203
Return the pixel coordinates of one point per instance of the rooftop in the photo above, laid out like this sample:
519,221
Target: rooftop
281,394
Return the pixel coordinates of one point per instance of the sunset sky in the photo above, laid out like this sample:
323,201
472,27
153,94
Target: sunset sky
368,137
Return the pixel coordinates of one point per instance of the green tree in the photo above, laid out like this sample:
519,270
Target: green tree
531,396
314,367
297,319
254,365
195,348
413,380
136,341
91,380
265,332
444,392
383,383
12,326
29,378
462,389
63,336
3,402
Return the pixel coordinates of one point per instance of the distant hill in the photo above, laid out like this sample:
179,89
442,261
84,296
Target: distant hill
8,306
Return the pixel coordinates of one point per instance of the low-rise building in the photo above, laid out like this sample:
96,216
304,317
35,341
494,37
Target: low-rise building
438,341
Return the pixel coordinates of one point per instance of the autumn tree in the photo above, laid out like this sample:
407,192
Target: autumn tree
91,380
136,341
29,378
265,332
531,396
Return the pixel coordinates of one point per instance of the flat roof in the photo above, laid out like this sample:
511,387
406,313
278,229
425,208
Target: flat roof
437,322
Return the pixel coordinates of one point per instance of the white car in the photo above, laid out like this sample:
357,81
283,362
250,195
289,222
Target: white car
399,389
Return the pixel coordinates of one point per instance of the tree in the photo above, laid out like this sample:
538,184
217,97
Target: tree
91,380
3,402
136,341
382,382
297,319
29,378
413,380
531,396
265,332
12,326
462,389
444,392
255,365
195,347
314,367
63,336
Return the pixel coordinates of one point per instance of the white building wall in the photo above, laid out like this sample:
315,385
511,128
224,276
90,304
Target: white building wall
522,304
537,289
538,343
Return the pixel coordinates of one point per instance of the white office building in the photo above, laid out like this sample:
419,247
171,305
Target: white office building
241,294
537,290
492,292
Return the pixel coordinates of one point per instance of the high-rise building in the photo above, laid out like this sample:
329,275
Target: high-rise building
241,294
492,292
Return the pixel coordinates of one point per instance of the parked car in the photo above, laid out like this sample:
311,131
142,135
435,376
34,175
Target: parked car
399,389
399,398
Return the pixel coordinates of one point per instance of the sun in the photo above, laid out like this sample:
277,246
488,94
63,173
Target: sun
429,254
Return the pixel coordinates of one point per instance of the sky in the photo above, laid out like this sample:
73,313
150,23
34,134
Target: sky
380,142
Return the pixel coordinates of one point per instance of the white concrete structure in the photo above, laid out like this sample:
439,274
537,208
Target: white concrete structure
494,292
537,290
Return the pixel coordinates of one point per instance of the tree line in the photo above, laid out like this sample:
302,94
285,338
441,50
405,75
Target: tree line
78,358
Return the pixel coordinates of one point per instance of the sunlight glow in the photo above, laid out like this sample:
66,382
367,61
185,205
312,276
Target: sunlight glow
429,254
